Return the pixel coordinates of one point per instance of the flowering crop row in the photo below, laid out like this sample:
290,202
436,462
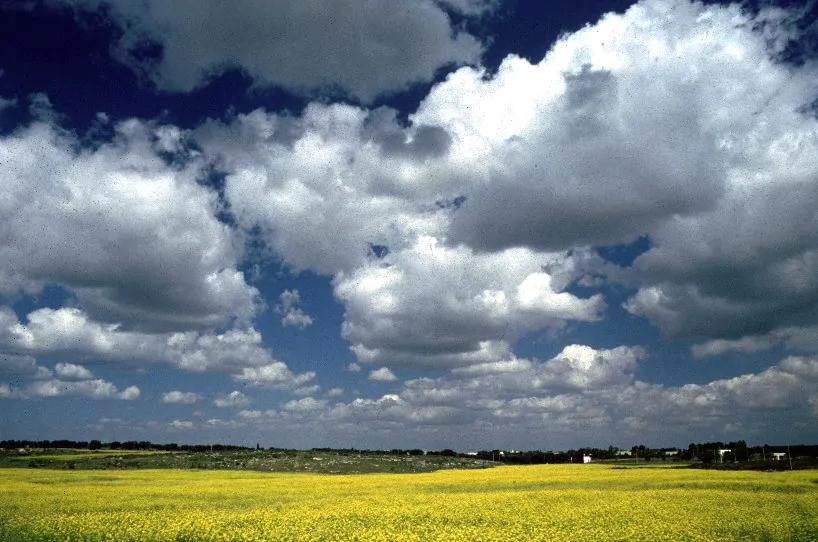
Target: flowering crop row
550,502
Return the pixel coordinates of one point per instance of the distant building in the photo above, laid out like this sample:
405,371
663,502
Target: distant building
586,458
624,453
670,453
778,456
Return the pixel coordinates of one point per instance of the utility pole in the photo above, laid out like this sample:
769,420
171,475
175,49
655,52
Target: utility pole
789,455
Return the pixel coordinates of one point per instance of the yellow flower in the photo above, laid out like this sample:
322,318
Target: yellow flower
549,502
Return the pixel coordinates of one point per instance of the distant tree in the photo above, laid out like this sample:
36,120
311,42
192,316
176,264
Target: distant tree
94,445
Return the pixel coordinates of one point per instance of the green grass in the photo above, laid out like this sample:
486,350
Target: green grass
73,455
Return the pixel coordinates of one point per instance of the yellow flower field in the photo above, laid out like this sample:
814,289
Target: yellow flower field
549,502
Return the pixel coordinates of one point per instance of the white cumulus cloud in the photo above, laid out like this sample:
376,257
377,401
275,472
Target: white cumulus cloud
88,389
234,399
292,315
384,374
70,371
70,332
274,375
134,239
176,396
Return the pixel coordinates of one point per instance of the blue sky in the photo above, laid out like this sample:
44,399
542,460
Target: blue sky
464,224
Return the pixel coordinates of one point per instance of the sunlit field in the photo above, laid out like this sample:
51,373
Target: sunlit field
549,502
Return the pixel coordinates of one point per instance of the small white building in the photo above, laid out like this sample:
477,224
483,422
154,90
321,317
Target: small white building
624,453
670,453
778,456
586,458
722,452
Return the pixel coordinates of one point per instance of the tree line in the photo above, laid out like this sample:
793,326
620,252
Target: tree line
143,445
706,452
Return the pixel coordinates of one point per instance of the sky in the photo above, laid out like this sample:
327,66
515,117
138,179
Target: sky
466,224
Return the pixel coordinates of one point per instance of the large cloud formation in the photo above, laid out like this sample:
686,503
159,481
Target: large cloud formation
450,235
675,121
431,306
125,229
134,239
365,48
363,181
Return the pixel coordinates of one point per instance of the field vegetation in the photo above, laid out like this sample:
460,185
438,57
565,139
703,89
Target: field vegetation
542,502
276,460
